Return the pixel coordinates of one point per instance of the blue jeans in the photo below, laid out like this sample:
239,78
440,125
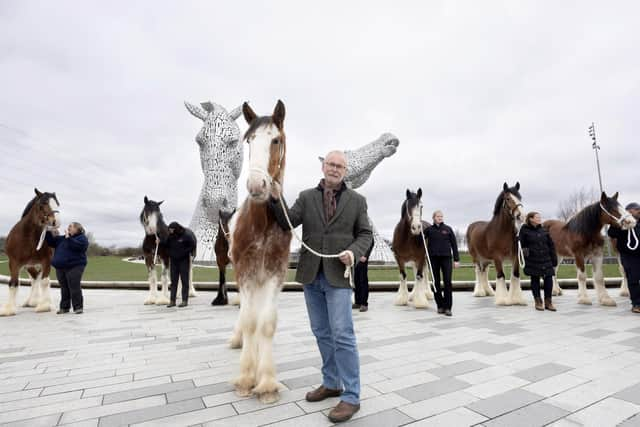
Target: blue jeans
329,310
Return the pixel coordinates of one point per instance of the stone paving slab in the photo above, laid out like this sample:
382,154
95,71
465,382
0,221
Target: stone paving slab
123,363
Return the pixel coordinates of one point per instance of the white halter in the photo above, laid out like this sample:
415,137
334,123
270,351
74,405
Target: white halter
630,232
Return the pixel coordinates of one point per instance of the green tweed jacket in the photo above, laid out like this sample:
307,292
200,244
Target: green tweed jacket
348,229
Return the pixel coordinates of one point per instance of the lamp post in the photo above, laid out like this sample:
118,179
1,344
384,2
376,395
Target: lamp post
596,147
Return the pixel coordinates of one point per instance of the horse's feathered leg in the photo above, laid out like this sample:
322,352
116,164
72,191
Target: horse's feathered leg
583,296
598,282
557,290
34,293
502,297
402,297
624,286
515,289
9,309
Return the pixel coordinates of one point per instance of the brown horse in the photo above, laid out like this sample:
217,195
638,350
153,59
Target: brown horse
222,256
581,238
496,240
25,248
155,227
260,255
408,249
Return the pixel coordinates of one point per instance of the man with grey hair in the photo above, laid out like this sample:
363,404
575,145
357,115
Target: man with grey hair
629,248
334,220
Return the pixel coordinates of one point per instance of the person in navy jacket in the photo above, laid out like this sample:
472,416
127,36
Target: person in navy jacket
69,260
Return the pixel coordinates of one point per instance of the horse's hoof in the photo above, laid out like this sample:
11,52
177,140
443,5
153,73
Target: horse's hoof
243,386
162,300
624,293
421,304
502,301
269,397
490,292
29,304
479,293
584,300
235,342
402,300
235,300
7,311
608,302
430,296
193,294
41,308
149,301
519,301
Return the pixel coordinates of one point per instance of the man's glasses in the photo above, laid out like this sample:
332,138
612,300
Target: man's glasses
335,166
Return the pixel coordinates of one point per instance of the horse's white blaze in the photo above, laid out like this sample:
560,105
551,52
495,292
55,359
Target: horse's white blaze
416,219
628,221
56,216
151,226
258,183
518,213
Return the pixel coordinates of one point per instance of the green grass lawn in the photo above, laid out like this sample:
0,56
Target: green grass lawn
113,268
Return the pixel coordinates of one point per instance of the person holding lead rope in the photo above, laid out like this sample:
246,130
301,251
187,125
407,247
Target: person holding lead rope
334,221
629,249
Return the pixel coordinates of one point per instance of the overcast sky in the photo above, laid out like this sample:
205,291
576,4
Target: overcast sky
478,93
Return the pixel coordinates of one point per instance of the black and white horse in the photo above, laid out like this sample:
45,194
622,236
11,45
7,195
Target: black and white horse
155,227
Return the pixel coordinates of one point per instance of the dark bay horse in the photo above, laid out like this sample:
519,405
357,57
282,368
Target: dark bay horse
260,256
155,227
25,247
581,238
408,249
496,241
222,256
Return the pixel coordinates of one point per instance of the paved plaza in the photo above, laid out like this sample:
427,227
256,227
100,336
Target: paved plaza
123,363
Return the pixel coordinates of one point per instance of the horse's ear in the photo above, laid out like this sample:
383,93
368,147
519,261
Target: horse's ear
146,200
518,186
278,114
207,106
603,197
419,193
615,196
505,187
196,111
321,159
38,193
248,113
160,202
408,194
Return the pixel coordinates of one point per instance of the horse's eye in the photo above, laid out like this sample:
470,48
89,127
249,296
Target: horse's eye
275,141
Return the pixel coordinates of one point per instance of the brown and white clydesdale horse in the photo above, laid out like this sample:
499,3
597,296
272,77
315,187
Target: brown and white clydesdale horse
25,247
221,247
155,227
496,241
581,238
408,249
260,254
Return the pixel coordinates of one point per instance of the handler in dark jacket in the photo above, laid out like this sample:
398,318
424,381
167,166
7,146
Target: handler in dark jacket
540,259
69,260
334,220
442,245
181,244
629,250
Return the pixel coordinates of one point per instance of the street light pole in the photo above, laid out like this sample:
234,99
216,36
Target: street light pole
596,147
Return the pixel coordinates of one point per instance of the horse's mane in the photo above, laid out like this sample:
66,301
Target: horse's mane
29,206
500,199
587,221
403,213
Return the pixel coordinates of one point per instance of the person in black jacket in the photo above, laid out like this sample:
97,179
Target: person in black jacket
441,244
629,250
69,260
540,259
361,281
181,243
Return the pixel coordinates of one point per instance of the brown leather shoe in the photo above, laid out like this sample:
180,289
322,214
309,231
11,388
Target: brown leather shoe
343,412
636,309
539,305
548,305
364,308
322,393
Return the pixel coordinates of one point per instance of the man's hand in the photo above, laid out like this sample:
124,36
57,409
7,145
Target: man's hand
456,264
346,257
276,190
66,234
363,259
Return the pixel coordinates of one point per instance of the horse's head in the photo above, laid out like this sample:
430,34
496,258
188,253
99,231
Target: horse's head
219,129
150,216
45,207
267,149
511,202
612,212
412,211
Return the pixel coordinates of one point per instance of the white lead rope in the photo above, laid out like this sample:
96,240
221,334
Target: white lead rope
155,254
426,254
521,261
347,268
